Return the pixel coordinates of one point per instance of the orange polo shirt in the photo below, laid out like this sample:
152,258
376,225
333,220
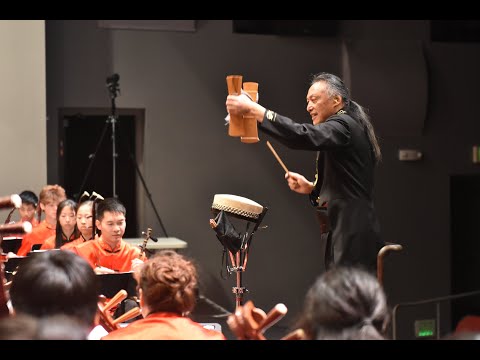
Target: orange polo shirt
50,242
38,236
164,326
98,253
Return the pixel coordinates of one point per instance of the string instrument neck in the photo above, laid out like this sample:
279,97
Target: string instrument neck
146,235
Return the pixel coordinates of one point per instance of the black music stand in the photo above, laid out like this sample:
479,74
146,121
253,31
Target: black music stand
111,284
36,247
11,244
11,266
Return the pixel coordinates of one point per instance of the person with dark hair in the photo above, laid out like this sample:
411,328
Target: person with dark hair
56,283
85,223
86,216
168,288
27,211
345,303
109,253
66,230
347,151
28,207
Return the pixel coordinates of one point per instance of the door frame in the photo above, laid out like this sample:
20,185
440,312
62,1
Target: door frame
139,116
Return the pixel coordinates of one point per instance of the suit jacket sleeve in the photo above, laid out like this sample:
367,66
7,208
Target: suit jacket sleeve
333,133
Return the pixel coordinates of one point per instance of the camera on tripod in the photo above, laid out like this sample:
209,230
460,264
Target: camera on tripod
112,85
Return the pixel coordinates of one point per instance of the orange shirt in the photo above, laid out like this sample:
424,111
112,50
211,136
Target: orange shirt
38,236
50,242
164,326
34,222
469,323
98,253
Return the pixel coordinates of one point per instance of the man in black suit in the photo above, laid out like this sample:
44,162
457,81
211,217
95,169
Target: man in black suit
347,152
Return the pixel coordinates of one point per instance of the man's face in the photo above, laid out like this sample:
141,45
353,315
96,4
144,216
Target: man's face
27,212
50,209
319,104
112,226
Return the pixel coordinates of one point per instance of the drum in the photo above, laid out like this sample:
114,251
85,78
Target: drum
228,207
238,206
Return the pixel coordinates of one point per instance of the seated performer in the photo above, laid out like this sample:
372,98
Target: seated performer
50,197
345,303
109,253
56,283
27,212
28,207
167,285
85,221
66,230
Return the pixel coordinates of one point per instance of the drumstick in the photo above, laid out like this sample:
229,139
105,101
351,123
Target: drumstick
278,157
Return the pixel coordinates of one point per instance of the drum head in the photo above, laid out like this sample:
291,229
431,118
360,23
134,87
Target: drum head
237,205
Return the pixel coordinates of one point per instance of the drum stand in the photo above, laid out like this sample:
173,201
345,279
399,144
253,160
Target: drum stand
239,261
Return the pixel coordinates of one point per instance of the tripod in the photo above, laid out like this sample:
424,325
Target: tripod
113,88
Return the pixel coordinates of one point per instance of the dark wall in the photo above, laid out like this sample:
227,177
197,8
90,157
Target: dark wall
179,78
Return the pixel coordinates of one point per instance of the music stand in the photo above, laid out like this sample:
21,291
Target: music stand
11,244
11,266
111,284
36,247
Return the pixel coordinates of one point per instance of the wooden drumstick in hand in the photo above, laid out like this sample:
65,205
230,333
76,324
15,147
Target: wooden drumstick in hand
277,157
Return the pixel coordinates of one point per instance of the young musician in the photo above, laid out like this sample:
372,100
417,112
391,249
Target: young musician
56,283
84,224
66,230
28,207
50,197
109,253
168,288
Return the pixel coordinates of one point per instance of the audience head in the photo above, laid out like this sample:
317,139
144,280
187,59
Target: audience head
167,282
345,303
53,283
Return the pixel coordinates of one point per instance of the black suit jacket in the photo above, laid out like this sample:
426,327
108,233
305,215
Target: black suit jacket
345,180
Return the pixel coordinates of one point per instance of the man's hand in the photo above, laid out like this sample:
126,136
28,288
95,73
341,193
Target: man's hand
243,105
298,183
137,265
